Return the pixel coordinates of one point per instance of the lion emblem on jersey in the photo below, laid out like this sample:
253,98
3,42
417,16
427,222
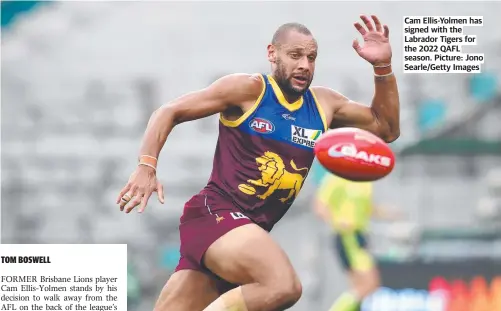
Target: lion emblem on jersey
274,176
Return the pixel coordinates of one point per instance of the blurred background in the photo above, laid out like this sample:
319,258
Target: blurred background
80,80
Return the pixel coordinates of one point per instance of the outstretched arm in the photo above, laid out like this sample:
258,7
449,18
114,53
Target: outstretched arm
228,91
383,117
238,90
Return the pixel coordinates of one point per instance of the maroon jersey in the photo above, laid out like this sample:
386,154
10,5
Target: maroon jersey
263,158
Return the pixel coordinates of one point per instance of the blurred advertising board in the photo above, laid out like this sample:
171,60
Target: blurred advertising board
441,286
464,281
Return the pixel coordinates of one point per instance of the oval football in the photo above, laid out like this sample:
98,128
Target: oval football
354,154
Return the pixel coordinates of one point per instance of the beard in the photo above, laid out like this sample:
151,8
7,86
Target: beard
285,82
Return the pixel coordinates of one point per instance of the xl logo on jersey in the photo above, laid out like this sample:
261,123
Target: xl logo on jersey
261,126
303,136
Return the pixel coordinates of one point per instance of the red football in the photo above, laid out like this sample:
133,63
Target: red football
354,154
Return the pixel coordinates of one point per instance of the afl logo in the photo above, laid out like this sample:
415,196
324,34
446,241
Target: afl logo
262,126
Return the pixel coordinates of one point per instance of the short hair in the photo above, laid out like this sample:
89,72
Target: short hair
285,28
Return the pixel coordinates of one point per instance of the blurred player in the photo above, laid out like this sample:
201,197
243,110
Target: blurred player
347,207
268,125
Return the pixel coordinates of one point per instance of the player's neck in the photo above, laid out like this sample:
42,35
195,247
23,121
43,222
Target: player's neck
290,98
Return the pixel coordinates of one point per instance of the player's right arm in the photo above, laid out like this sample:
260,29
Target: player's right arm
231,91
236,90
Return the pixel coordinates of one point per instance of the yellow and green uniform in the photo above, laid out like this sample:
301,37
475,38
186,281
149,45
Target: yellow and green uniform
350,207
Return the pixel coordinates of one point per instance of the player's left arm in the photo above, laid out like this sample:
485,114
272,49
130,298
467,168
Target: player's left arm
382,118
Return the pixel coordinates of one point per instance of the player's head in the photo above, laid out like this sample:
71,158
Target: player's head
292,54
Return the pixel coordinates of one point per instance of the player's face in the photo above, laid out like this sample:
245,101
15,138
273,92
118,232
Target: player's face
295,63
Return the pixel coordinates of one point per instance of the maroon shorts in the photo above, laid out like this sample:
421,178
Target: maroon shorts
207,216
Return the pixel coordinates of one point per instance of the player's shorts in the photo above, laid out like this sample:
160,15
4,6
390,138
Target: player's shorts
352,250
207,216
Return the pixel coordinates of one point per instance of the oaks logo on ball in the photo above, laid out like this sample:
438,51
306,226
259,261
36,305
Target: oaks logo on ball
261,126
350,150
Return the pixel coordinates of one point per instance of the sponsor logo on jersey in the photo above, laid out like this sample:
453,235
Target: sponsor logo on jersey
288,117
350,151
303,136
261,125
238,215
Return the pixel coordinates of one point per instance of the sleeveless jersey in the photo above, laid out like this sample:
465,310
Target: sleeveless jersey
262,158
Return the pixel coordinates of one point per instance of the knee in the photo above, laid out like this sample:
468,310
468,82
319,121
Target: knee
286,292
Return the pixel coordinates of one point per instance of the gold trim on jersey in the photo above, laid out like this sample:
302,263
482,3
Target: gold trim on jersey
281,98
243,117
320,110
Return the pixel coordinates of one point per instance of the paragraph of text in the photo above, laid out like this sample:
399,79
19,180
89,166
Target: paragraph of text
63,277
433,44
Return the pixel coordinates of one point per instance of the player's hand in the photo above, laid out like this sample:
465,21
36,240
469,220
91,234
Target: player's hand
142,183
376,48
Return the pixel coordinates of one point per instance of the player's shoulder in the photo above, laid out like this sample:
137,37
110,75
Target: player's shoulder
326,93
330,100
243,83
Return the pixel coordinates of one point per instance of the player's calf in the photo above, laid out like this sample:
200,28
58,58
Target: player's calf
253,297
364,283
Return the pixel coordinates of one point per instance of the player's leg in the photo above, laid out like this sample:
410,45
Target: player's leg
191,287
187,290
248,255
364,274
362,271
